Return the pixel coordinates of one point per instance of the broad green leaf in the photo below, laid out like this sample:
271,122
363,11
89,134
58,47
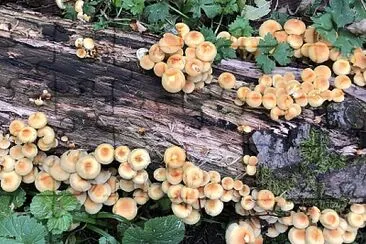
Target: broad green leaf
228,6
21,229
60,224
107,240
359,9
280,17
283,54
323,21
341,12
224,51
157,11
136,7
265,63
161,230
208,34
262,8
346,42
267,43
69,12
328,35
209,7
10,201
240,27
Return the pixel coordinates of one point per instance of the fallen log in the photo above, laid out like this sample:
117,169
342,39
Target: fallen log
111,99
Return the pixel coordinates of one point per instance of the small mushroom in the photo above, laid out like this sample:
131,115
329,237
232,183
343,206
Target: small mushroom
141,197
174,157
173,80
322,84
227,196
146,63
314,235
227,183
242,234
265,199
27,134
193,38
125,207
16,126
174,175
88,43
308,75
329,219
112,199
189,195
193,218
295,41
333,236
269,26
45,182
99,193
126,185
341,67
121,153
37,120
342,82
318,52
213,191
174,193
156,54
269,100
58,173
337,95
70,158
181,210
10,181
47,134
31,177
23,166
355,220
88,167
160,68
141,177
310,35
92,207
193,176
254,99
7,163
176,61
294,26
297,236
29,150
323,70
206,51
170,43
155,192
226,80
300,220
182,29
104,153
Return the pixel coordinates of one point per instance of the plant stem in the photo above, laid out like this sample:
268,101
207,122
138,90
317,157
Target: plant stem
105,215
178,12
99,231
218,27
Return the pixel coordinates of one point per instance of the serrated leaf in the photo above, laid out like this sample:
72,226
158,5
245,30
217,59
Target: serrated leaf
157,11
107,240
161,230
224,51
240,27
69,12
323,21
10,201
209,7
265,63
359,9
280,17
341,12
208,34
21,229
283,53
346,42
136,7
262,8
328,35
228,6
267,43
54,207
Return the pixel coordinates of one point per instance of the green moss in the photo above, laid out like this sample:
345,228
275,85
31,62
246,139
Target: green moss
338,204
267,179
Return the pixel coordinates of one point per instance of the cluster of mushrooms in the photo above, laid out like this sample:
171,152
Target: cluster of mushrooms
85,47
182,61
250,163
78,7
96,178
285,96
307,43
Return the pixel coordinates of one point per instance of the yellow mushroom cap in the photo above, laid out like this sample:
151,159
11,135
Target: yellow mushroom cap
88,43
355,220
227,183
281,36
251,44
253,99
334,54
269,26
295,41
245,190
141,197
160,68
284,101
176,61
269,100
188,87
193,38
342,82
190,52
69,159
305,49
31,177
315,99
88,167
223,34
10,181
156,54
323,70
125,207
337,95
206,51
293,111
139,159
227,196
239,234
141,177
104,153
193,67
192,218
333,236
174,157
173,80
238,185
23,166
174,192
300,220
27,134
358,208
349,236
193,176
321,83
247,202
308,75
99,193
45,182
79,184
289,76
265,199
121,153
112,199
7,163
48,135
29,150
160,174
310,35
329,219
92,207
294,26
242,92
182,29
341,67
214,207
81,53
276,112
170,43
314,235
126,185
318,52
15,152
226,80
296,236
37,120
181,210
213,190
174,175
155,192
15,126
189,195
206,178
146,63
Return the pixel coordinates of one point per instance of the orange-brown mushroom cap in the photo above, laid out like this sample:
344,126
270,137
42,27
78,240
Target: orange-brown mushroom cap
294,26
206,51
173,80
269,26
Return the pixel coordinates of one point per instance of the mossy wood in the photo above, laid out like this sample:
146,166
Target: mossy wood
111,99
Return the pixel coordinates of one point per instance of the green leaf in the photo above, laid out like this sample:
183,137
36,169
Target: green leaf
280,17
346,42
267,43
107,240
208,34
161,230
117,3
323,21
55,207
341,12
89,9
157,11
262,8
224,51
359,9
240,27
207,6
69,12
136,7
328,35
21,229
265,63
283,54
228,6
10,201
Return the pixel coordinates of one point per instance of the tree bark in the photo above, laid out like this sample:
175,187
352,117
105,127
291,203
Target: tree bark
111,98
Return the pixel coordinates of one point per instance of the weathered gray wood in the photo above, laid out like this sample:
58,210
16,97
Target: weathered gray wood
111,98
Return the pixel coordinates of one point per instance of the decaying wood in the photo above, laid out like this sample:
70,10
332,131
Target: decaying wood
111,98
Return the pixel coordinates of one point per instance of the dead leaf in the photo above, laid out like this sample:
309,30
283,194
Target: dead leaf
358,27
137,26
